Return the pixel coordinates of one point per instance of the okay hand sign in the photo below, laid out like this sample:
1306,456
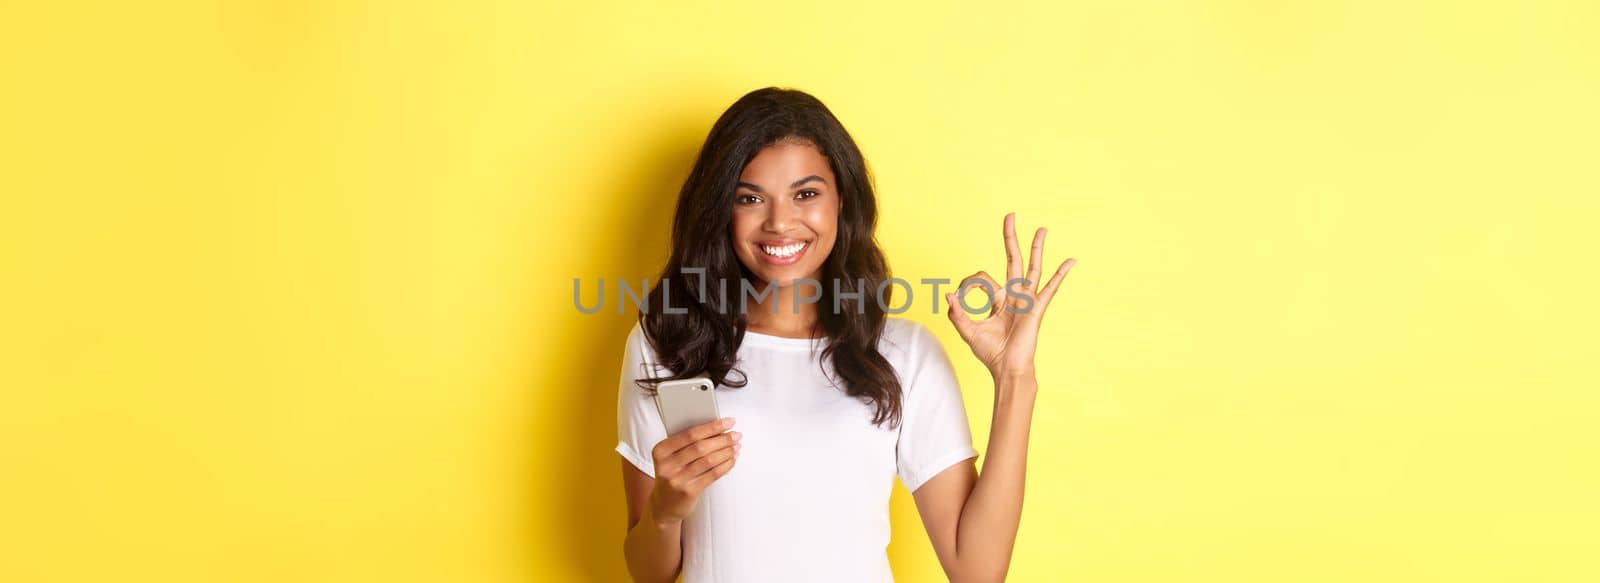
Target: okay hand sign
1005,340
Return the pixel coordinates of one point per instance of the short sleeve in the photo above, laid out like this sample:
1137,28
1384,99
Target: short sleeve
934,433
639,425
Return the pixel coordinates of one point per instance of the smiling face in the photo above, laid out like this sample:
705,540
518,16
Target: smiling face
785,213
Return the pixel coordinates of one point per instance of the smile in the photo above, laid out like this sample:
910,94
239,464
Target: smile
783,254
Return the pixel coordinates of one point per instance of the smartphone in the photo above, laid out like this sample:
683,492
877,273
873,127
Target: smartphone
686,403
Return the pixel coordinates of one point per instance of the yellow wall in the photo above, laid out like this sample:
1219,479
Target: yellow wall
287,285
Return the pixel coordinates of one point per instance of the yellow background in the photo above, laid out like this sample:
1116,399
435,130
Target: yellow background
287,285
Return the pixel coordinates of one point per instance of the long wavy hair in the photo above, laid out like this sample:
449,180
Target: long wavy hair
704,339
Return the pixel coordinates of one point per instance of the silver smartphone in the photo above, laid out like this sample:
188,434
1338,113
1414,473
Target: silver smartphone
686,403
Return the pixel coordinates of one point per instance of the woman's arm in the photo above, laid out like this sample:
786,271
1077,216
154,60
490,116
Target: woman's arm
685,464
654,548
972,519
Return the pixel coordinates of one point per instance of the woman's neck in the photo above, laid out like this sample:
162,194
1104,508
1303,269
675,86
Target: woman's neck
776,314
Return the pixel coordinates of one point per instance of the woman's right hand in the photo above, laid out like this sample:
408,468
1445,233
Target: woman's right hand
686,463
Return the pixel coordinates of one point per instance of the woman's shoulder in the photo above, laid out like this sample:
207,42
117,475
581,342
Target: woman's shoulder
639,350
904,337
639,343
897,326
635,336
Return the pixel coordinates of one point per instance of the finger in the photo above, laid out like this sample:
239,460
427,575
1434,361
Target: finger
1013,255
1049,290
699,449
1036,258
706,462
980,280
996,299
957,317
716,472
684,438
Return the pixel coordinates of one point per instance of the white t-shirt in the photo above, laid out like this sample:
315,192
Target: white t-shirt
808,499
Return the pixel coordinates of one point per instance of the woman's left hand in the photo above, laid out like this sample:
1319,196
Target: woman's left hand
1005,340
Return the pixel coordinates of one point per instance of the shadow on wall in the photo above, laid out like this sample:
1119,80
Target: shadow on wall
588,516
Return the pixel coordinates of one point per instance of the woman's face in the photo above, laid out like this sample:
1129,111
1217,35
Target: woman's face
785,213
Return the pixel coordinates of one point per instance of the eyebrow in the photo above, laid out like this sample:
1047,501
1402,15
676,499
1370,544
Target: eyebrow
796,183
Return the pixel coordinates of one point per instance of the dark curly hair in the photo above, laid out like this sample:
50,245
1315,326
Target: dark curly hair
705,339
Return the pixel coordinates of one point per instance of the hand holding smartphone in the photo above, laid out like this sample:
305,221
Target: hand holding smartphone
698,449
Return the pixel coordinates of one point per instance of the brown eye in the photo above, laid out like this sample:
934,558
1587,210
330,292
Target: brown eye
746,199
805,194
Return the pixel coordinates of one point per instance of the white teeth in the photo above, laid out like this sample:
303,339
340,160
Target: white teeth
784,251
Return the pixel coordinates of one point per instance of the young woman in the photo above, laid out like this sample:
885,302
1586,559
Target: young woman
832,399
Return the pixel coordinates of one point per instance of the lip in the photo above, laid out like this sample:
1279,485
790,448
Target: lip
790,260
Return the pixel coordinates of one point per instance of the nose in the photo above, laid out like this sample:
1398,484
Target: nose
781,216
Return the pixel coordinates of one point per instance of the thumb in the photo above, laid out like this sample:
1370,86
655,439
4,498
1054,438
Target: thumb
957,316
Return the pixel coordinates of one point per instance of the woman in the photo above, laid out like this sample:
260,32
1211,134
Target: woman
832,398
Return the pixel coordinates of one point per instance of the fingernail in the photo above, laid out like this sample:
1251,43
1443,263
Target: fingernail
736,446
727,422
736,435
